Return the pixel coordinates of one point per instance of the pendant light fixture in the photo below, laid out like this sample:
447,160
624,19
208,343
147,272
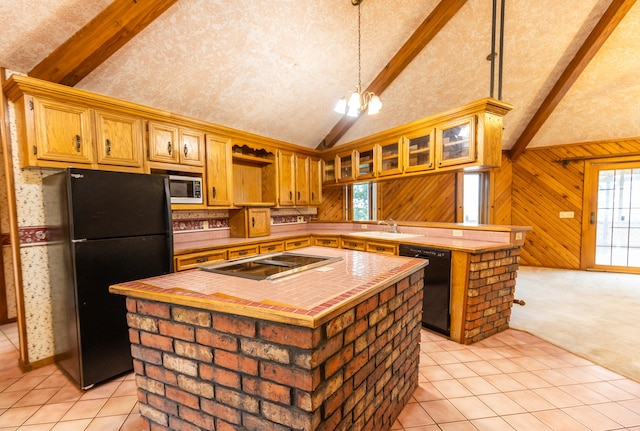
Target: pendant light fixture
357,101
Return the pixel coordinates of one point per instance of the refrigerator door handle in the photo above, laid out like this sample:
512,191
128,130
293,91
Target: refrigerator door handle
167,199
79,240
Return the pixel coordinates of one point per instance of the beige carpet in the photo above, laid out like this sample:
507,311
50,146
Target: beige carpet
595,315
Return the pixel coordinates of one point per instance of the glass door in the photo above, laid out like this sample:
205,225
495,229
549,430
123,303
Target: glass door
614,217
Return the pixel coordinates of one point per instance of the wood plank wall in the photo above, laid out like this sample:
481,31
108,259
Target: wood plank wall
501,180
542,187
424,198
332,208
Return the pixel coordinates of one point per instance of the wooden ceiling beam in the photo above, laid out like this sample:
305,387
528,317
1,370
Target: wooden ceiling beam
98,40
602,30
437,19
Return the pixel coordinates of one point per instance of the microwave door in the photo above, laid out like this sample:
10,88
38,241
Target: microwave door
185,190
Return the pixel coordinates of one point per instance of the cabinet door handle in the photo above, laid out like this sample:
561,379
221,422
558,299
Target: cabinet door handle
273,247
592,218
313,196
186,150
78,143
213,191
201,259
379,248
290,195
298,195
253,222
242,253
169,148
107,147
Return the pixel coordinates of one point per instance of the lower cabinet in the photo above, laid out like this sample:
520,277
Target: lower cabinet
292,244
243,251
327,241
193,260
271,247
353,244
249,222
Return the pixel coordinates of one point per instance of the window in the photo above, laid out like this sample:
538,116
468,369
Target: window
361,202
475,198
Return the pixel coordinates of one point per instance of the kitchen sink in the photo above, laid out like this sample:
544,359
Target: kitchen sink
385,235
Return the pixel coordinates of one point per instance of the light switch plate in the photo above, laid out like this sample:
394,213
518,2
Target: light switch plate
457,233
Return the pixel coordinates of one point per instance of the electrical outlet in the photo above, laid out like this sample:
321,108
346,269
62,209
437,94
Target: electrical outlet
518,236
300,219
457,233
364,226
566,214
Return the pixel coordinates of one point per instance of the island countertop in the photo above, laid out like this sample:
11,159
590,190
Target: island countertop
307,299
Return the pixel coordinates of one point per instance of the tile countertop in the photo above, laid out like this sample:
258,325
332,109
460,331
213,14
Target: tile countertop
307,299
476,240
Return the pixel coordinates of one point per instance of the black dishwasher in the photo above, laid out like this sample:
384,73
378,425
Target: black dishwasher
437,286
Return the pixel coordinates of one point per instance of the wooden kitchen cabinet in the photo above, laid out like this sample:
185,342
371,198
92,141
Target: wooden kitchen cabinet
419,151
193,260
292,244
390,157
243,251
329,171
353,244
62,131
327,241
176,147
315,181
293,179
60,134
381,247
456,141
119,139
346,162
254,172
271,247
219,185
249,222
366,161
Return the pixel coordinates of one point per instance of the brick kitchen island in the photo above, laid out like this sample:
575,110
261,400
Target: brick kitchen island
332,348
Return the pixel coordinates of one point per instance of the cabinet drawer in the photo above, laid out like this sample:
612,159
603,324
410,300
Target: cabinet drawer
381,247
353,244
292,244
329,241
237,252
193,260
271,247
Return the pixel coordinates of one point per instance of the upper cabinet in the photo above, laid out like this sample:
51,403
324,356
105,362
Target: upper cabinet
254,176
418,151
466,137
457,142
58,134
175,147
299,179
119,139
218,180
315,181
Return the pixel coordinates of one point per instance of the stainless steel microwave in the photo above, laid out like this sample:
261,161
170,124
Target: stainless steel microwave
185,190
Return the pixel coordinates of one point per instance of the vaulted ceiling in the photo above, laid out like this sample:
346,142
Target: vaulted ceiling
277,68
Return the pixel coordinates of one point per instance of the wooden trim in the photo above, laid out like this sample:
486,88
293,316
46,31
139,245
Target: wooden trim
105,34
14,233
460,262
603,29
437,19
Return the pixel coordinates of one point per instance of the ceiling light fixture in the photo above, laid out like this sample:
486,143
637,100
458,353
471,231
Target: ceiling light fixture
357,101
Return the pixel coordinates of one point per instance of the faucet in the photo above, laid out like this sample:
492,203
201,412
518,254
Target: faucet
394,226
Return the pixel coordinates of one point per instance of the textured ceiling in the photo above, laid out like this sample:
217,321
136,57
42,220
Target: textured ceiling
277,68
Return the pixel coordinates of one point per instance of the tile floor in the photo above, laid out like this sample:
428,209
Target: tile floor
511,381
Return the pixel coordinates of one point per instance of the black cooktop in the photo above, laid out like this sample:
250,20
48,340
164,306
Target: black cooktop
269,266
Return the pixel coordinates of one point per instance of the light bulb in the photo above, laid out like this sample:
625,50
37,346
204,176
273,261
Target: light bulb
374,105
341,106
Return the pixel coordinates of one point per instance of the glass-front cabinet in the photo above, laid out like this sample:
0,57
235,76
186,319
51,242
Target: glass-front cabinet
456,142
329,176
419,154
345,164
390,157
366,161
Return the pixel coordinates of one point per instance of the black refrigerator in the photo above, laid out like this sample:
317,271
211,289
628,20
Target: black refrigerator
106,228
